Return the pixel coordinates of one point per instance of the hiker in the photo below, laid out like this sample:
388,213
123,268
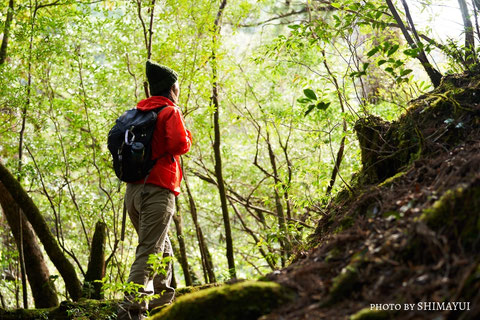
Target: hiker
150,202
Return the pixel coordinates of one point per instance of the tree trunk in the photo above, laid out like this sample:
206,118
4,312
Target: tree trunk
284,238
433,74
43,290
216,146
65,268
468,29
268,258
6,33
177,219
336,168
207,264
92,289
178,256
338,161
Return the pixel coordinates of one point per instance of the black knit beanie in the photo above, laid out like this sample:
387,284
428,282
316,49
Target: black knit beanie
160,78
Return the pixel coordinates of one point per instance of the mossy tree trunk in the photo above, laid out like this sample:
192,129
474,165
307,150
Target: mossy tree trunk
92,288
56,255
43,290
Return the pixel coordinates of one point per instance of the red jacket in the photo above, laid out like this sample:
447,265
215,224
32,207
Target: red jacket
170,140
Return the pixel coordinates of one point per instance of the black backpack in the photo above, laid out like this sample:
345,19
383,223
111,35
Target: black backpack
130,143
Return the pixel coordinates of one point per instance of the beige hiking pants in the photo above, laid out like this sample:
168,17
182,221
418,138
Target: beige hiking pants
151,208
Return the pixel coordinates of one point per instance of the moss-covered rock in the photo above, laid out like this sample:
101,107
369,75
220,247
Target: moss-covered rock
245,300
190,289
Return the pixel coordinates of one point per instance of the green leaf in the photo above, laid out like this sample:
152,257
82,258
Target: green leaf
379,63
398,63
310,108
373,51
392,50
309,93
354,7
386,46
411,52
323,105
405,72
303,100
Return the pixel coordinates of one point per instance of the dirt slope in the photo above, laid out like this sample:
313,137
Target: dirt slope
409,233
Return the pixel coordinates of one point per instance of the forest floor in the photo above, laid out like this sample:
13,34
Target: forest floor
412,238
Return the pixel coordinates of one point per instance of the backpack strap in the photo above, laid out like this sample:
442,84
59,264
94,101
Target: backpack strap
124,219
157,111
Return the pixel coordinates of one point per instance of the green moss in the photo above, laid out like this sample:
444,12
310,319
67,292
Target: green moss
439,213
344,283
333,254
368,314
26,314
244,300
344,224
342,196
67,310
185,290
387,147
395,214
457,211
387,182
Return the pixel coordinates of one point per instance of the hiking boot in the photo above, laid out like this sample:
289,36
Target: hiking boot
130,314
128,311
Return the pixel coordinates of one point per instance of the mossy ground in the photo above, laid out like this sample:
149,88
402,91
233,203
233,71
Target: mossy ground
82,310
244,300
190,289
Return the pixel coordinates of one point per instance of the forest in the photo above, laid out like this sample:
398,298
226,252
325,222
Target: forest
334,171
